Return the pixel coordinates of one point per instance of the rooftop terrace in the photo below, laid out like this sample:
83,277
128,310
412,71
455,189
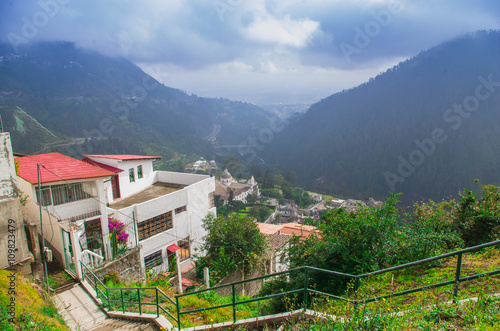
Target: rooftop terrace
154,191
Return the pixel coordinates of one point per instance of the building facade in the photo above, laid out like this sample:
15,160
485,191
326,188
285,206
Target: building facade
101,206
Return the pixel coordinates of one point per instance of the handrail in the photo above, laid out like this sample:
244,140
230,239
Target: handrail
102,290
89,257
306,290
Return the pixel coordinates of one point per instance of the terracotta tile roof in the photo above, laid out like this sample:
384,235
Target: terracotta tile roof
298,229
265,228
58,168
287,229
102,165
125,157
276,241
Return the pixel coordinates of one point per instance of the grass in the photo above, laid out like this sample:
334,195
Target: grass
425,310
58,278
483,314
34,310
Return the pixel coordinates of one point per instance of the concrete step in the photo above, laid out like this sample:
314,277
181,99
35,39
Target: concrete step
116,324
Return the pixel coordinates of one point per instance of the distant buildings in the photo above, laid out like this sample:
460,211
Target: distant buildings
240,191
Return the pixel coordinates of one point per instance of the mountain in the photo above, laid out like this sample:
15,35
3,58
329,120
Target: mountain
427,127
55,96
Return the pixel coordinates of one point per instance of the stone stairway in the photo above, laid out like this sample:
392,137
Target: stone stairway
81,313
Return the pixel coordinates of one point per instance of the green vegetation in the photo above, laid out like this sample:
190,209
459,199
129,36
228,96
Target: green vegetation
231,243
34,309
376,238
483,314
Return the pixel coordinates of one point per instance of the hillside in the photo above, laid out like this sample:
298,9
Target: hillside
54,94
407,130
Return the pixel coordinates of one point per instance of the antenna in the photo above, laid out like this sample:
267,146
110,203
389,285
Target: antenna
1,124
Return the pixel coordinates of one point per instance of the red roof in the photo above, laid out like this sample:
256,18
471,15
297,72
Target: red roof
55,167
102,165
125,157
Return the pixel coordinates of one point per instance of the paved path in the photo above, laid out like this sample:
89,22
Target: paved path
81,313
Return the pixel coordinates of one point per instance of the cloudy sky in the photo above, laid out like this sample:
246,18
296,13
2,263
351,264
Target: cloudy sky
261,51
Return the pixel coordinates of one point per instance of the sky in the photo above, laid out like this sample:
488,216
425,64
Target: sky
259,51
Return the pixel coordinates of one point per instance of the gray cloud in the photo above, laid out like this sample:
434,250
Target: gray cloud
250,40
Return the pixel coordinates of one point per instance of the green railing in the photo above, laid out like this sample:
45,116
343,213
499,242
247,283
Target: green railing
306,291
137,299
130,299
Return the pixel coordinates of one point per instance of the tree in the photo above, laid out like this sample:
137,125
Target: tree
231,243
251,199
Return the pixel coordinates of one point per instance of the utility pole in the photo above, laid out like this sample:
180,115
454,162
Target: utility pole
45,272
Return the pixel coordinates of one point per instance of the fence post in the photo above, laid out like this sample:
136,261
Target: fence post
109,299
234,303
123,303
356,287
178,313
139,298
457,277
306,286
157,304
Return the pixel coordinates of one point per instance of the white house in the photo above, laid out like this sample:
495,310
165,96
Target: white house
167,208
159,211
72,194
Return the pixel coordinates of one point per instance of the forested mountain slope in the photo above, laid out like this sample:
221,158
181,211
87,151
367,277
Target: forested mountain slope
427,127
51,92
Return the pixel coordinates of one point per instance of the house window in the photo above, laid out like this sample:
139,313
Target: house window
131,176
180,210
46,197
153,260
154,225
61,194
211,203
139,171
184,253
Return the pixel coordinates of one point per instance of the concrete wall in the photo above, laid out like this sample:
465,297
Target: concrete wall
13,240
8,185
180,178
128,267
251,288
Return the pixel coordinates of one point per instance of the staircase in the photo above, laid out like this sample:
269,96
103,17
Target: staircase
81,313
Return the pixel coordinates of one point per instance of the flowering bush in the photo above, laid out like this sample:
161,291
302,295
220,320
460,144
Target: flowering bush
118,228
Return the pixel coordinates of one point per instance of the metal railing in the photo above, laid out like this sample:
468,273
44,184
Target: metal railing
307,291
122,299
126,299
91,259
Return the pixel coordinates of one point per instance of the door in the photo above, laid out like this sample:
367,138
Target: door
68,252
115,184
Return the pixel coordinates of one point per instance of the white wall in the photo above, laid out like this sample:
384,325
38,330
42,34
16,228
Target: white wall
126,187
180,178
188,223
